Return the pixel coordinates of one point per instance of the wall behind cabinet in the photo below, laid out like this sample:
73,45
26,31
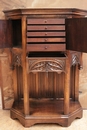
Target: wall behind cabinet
6,82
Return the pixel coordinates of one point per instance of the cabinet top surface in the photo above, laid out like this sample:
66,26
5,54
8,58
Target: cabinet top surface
60,11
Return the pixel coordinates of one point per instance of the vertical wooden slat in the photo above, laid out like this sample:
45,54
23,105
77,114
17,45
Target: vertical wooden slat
15,84
59,89
67,85
76,82
1,85
46,83
55,85
60,81
50,84
18,82
62,84
37,85
72,83
21,83
25,86
31,84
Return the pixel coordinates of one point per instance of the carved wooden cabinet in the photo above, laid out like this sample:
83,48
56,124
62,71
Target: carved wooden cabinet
46,46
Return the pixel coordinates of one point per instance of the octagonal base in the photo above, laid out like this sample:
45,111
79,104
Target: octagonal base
46,111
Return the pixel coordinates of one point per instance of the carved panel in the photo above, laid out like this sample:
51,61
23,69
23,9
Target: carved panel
46,65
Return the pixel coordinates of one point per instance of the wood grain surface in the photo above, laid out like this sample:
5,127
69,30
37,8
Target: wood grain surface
10,4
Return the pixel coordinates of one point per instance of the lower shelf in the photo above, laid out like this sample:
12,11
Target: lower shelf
46,111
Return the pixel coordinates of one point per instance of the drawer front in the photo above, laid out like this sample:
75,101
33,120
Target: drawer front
35,40
46,47
45,34
46,64
45,21
38,28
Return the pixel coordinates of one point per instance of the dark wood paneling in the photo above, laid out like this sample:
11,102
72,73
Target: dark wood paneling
17,32
76,34
5,34
43,85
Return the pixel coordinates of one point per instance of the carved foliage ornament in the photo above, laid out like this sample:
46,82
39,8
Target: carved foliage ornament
77,60
16,59
46,65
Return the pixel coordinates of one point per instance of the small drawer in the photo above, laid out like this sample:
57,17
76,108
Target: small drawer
46,62
46,21
44,27
38,40
45,34
46,47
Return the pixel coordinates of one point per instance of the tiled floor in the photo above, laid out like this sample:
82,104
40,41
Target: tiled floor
6,123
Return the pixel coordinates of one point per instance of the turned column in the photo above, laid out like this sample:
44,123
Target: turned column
25,84
67,85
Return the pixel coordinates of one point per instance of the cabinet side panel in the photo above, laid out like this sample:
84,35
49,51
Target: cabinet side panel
5,34
76,34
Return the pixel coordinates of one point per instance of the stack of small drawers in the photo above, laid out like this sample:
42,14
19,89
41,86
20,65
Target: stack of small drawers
46,34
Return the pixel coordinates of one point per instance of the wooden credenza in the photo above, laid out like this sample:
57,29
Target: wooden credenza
46,46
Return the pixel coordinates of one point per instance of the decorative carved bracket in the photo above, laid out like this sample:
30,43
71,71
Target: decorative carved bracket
46,65
16,57
76,59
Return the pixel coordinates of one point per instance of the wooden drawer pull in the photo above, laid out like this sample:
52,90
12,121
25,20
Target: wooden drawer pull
45,34
45,47
45,40
45,21
45,28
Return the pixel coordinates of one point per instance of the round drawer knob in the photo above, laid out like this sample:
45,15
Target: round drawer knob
45,47
45,34
45,40
45,21
45,27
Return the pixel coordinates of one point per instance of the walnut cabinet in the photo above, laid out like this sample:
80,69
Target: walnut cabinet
46,55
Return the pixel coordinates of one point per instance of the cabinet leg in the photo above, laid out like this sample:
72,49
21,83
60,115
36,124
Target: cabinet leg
67,85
